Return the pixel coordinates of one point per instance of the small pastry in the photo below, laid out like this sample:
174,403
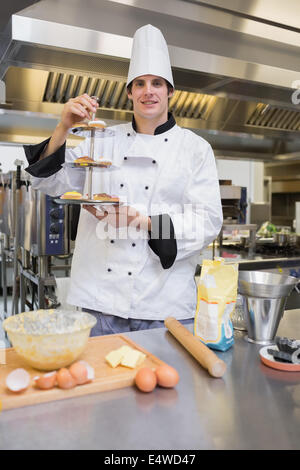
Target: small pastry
80,124
97,123
105,197
87,160
84,160
71,195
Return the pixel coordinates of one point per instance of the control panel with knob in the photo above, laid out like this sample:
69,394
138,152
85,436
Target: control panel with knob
55,213
56,221
54,229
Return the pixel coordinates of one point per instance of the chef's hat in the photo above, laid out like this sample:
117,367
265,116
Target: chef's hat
149,55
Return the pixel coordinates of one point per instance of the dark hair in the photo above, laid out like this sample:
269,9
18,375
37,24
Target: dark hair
169,86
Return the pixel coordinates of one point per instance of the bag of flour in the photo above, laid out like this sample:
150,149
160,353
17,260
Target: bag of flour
217,292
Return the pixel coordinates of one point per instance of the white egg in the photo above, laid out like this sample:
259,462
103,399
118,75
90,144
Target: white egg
18,380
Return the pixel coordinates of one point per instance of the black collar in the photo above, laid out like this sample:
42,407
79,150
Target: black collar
163,127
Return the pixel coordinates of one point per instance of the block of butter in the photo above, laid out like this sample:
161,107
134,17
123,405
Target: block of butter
115,357
132,358
125,356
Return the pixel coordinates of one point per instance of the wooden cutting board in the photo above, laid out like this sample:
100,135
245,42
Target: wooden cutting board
106,378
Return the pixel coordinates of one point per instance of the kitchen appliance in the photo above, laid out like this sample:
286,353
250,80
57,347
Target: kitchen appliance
234,207
17,224
264,298
8,202
6,259
45,225
12,216
46,234
230,198
49,224
42,233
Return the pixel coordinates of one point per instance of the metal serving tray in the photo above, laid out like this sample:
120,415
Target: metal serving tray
96,164
99,133
90,202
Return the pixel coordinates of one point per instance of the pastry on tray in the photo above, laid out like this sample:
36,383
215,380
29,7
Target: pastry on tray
87,160
105,197
97,123
71,195
84,160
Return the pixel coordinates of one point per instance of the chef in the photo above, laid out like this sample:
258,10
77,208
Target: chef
134,264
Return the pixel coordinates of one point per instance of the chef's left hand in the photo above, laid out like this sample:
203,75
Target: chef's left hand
120,216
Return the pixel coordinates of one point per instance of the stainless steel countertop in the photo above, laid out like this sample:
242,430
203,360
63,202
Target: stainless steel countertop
251,407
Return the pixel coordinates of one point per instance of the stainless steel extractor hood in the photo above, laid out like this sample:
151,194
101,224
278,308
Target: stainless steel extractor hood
235,75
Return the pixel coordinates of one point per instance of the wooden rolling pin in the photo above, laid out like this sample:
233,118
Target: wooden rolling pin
205,356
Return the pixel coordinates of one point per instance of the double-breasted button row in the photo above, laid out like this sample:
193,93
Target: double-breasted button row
128,135
132,244
153,161
121,186
110,270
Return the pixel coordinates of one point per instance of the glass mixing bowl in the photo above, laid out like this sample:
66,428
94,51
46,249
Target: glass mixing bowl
49,339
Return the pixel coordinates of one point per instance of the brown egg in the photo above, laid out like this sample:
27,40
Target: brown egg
79,373
167,376
46,381
65,379
145,379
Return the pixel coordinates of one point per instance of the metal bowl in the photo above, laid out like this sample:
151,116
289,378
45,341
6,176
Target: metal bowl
285,239
49,339
264,298
266,285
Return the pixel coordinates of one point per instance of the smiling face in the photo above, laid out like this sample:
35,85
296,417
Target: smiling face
150,94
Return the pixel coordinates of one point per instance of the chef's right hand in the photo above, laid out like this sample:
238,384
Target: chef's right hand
78,109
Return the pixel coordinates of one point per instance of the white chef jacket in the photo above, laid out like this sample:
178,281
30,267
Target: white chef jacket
123,276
